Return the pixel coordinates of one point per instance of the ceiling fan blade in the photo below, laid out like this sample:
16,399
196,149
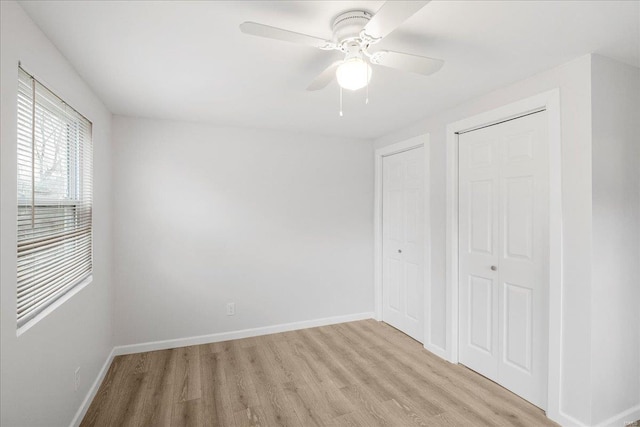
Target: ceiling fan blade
261,30
407,62
325,77
390,16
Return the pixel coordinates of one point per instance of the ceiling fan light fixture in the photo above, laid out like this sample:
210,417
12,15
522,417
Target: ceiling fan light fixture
353,74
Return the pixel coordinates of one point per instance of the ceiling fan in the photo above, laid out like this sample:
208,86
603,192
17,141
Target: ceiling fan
354,33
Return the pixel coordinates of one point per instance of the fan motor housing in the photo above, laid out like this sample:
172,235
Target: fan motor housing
347,25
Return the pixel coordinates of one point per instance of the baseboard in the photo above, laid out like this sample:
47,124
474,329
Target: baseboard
563,419
619,420
234,335
438,351
623,418
77,419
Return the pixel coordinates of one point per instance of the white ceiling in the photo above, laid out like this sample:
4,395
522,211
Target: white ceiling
189,61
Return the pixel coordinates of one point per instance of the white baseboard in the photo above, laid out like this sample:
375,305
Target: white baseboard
623,418
234,335
618,420
92,391
438,351
564,420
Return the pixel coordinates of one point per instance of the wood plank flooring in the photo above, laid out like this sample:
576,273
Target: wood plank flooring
362,373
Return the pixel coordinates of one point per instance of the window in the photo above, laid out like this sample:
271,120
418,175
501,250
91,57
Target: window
54,198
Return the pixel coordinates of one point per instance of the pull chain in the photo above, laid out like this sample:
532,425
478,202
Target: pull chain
341,101
366,101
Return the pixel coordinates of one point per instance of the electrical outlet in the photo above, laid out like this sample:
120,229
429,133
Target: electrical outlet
231,308
76,378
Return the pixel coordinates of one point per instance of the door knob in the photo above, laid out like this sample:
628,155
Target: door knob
399,251
494,268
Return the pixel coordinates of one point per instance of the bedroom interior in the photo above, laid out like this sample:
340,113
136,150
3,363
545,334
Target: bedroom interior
320,213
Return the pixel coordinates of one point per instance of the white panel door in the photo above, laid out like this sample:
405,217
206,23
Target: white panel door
402,242
503,259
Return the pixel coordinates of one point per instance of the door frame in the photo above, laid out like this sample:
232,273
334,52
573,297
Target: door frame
549,101
379,155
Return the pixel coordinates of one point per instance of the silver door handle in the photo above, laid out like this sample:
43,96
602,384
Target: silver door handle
494,268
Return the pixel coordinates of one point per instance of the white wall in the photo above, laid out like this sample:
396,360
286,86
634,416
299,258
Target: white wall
616,239
38,367
279,223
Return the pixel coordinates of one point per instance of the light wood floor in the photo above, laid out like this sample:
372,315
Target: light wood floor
353,374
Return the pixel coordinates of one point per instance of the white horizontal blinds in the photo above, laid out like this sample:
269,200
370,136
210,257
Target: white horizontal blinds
54,197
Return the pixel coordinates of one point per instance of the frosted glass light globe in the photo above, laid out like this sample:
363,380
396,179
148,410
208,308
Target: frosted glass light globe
353,74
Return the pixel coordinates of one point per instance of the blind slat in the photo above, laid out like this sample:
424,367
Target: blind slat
68,279
31,246
40,281
28,264
34,265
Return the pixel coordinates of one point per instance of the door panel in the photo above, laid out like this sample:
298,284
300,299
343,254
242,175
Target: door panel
481,154
402,241
518,242
413,281
412,198
503,272
518,326
393,281
481,224
478,230
480,321
520,146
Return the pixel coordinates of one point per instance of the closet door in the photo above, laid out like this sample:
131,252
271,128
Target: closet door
402,242
503,259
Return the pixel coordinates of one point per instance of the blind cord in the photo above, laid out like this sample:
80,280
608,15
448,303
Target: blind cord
33,153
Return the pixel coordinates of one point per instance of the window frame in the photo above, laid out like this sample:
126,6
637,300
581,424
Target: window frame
67,253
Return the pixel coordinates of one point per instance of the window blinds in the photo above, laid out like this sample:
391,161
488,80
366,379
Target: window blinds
54,197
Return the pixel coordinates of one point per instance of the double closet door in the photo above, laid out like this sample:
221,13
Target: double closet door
503,254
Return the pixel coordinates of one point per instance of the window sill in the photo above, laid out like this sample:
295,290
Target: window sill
57,303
